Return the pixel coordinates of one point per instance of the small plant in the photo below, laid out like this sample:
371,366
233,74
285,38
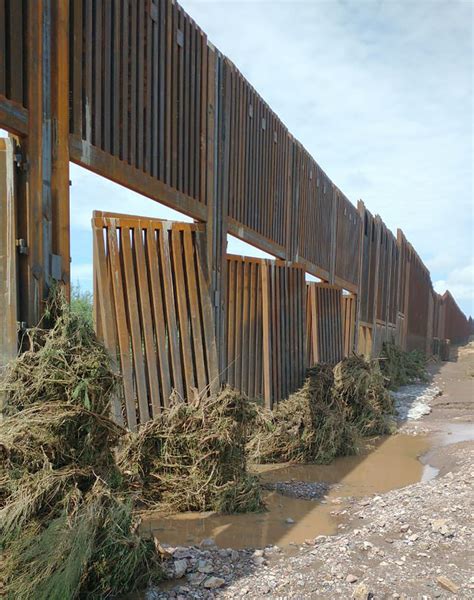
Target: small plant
400,367
81,303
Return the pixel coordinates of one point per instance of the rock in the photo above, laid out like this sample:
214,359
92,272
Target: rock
180,567
413,537
212,583
259,561
404,528
207,543
234,556
441,526
361,592
259,552
182,553
367,545
447,584
289,521
351,578
196,578
205,566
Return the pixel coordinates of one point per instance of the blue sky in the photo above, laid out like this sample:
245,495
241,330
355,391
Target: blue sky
381,94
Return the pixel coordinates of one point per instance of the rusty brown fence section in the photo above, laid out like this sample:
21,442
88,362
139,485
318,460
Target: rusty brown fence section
153,310
324,324
265,327
13,64
134,91
139,89
349,319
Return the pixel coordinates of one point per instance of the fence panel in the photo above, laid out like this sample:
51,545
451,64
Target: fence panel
259,162
8,256
139,90
368,266
348,304
265,327
324,326
153,310
348,240
312,237
13,65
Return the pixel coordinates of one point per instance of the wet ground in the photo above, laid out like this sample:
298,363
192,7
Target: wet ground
394,522
386,464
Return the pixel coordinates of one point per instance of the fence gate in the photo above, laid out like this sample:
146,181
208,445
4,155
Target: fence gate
265,327
153,310
324,326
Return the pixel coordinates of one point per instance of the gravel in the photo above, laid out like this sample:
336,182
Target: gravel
414,542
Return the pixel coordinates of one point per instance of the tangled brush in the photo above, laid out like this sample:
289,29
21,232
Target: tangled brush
400,367
310,426
360,386
192,456
64,364
67,527
327,417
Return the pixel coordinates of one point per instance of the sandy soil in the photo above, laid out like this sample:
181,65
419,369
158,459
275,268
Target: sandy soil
414,542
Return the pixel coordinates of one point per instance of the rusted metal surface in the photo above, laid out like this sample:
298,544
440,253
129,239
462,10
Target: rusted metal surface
139,88
349,313
8,257
265,327
324,323
153,310
455,326
133,91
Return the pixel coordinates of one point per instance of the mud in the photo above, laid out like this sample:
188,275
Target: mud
387,463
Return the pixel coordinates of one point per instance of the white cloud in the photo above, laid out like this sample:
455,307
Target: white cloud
90,192
460,282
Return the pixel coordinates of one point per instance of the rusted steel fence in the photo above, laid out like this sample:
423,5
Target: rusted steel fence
153,310
265,327
134,91
324,324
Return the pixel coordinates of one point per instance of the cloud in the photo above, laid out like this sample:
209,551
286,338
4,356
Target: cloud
460,282
90,192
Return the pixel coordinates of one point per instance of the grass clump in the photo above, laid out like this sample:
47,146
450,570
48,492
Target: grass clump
310,426
67,526
360,386
327,417
192,456
400,367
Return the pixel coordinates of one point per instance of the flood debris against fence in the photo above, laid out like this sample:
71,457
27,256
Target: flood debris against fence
327,417
67,524
135,92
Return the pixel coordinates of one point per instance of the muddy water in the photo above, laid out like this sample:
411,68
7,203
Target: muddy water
385,464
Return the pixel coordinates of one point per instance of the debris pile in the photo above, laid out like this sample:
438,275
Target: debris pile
327,417
67,523
400,367
360,386
192,456
310,426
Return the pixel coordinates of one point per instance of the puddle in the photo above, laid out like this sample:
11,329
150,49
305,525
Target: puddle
453,433
388,463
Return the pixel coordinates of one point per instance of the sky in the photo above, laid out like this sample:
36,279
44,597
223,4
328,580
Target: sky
380,92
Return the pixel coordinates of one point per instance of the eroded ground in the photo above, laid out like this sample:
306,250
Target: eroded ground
360,536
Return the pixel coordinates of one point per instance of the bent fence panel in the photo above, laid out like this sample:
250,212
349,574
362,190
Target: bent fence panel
324,324
153,311
348,304
265,327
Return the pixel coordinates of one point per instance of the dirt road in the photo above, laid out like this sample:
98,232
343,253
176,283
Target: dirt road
413,542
